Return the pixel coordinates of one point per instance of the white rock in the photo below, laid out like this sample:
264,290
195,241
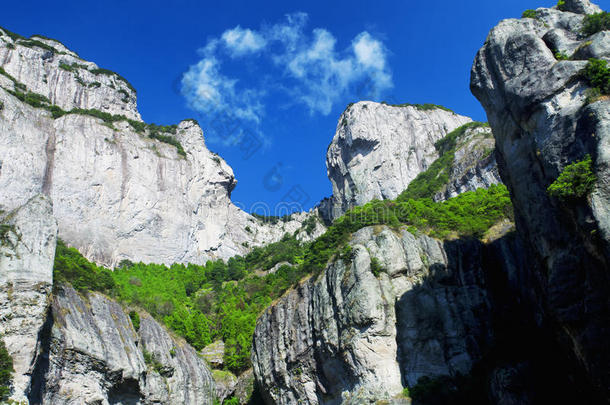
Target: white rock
349,337
27,248
378,149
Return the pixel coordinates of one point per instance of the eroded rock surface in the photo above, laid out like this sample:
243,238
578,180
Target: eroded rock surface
47,67
350,337
474,165
92,354
27,248
537,108
378,149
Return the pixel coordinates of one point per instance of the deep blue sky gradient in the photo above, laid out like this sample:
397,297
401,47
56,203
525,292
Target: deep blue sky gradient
151,43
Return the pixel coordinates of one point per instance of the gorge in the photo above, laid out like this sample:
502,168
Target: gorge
455,262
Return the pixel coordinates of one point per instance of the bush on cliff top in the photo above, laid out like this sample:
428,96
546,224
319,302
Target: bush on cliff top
529,14
421,107
595,23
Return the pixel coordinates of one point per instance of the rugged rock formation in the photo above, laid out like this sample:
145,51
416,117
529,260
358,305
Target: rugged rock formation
378,149
348,336
537,108
27,248
116,191
73,349
474,164
47,67
92,354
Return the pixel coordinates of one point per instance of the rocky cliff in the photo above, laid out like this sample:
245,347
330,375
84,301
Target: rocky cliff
473,165
378,149
91,353
46,67
27,248
521,319
72,349
118,186
352,336
543,121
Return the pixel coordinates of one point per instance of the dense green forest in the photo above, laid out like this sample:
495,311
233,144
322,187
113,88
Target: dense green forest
222,300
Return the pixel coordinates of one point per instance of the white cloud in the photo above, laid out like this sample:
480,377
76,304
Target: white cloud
307,67
241,41
210,92
369,51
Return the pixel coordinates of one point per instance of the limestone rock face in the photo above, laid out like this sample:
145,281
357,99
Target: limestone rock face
378,149
27,248
537,108
581,7
117,193
47,67
92,354
348,336
71,349
474,164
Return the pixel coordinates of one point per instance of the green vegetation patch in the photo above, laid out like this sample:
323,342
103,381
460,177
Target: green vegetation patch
597,73
12,35
4,73
106,72
469,214
560,55
422,107
72,67
135,319
200,303
595,23
561,5
271,219
70,266
5,235
576,180
193,120
151,361
31,43
431,181
157,132
376,267
309,225
529,14
169,140
6,371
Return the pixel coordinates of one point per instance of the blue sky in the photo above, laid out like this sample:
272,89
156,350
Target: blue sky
268,80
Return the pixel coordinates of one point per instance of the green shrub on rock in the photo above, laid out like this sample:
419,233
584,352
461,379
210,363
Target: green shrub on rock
376,267
560,55
576,180
135,320
529,14
597,73
6,370
595,23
